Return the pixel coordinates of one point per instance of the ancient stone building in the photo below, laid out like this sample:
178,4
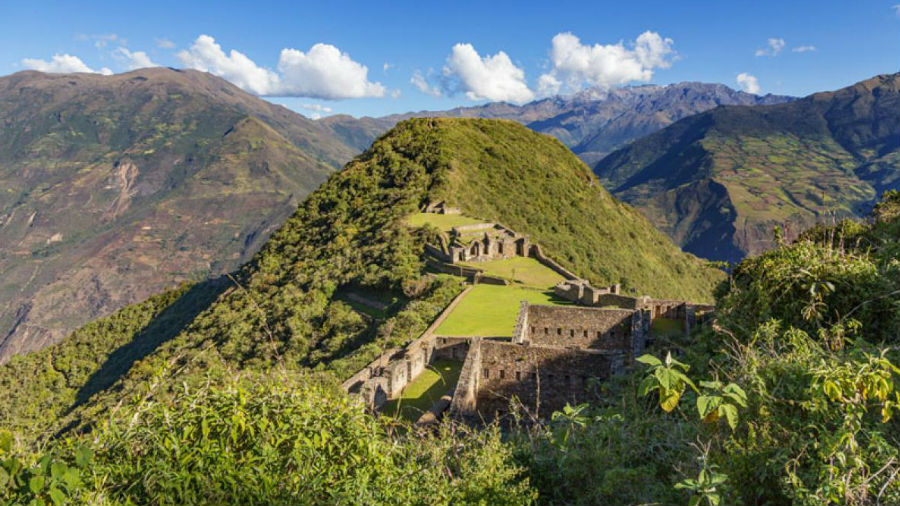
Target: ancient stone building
479,242
581,292
441,208
554,354
623,330
539,379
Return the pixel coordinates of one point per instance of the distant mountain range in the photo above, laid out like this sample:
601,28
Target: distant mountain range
113,188
592,123
719,181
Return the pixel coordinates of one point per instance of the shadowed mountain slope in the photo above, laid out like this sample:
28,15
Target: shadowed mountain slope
718,182
115,187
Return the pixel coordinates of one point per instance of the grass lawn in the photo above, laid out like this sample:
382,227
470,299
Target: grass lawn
418,396
491,310
525,270
442,221
666,327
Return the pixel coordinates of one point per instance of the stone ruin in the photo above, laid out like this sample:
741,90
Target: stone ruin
582,292
478,243
441,208
555,355
551,359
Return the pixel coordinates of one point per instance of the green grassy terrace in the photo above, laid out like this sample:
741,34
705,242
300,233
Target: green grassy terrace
491,310
524,270
420,394
444,222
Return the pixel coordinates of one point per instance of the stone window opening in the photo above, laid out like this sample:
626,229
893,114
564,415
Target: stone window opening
487,374
558,331
502,374
585,332
546,330
599,335
518,376
572,333
568,380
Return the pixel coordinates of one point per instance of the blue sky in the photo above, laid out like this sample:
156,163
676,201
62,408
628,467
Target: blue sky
369,59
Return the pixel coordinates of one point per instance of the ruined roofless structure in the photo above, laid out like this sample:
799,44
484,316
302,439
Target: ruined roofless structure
556,354
480,242
551,359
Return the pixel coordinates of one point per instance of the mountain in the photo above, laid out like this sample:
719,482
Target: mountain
718,182
113,188
592,123
351,234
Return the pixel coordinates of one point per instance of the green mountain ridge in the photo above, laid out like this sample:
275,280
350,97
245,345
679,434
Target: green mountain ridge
283,308
718,182
117,187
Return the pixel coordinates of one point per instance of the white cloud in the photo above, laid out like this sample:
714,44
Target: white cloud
748,83
896,9
133,60
316,110
489,78
421,83
548,85
803,49
322,72
206,55
774,46
325,72
164,43
575,65
386,67
62,64
101,40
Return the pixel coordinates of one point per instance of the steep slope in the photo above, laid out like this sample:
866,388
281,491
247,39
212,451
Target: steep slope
718,182
116,187
284,307
592,123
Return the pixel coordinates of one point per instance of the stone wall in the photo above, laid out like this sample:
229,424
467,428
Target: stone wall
388,374
543,379
665,308
464,403
581,327
536,252
617,300
457,270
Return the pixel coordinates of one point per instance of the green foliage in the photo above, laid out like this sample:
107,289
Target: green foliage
618,449
829,277
668,378
49,479
720,401
38,389
816,400
706,486
274,439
